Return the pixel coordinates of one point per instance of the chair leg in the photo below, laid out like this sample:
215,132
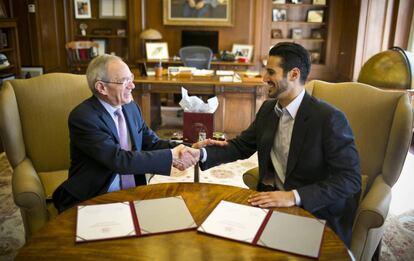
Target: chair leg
377,253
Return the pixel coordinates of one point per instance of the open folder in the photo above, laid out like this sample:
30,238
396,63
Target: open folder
133,219
272,229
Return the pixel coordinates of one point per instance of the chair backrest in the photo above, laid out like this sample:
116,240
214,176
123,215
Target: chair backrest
196,56
381,122
79,54
33,118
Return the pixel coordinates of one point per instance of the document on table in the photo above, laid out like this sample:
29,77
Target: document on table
128,219
272,229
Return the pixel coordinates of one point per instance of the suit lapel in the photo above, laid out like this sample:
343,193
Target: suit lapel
271,125
300,128
106,118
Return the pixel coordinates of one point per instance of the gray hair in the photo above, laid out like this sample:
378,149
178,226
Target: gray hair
97,69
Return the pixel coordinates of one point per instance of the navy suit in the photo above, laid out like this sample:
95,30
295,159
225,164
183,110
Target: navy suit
96,154
323,163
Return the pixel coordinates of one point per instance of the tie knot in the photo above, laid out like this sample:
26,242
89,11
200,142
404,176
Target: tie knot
118,112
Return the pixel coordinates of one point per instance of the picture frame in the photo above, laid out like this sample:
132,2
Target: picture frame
102,49
277,34
180,13
279,15
296,33
156,50
315,16
31,71
82,9
113,9
319,2
316,33
243,50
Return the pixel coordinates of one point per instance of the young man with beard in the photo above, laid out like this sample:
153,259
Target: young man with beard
306,150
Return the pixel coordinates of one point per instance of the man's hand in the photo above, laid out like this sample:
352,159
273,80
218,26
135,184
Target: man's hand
184,157
208,142
273,199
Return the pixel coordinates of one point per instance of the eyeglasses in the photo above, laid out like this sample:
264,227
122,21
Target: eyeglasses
125,82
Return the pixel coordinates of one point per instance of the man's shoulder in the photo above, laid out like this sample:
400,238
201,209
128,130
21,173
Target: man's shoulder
323,106
84,109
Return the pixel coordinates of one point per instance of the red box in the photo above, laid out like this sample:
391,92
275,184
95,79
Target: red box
194,122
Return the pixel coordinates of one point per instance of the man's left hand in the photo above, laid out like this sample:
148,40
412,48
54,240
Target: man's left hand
273,199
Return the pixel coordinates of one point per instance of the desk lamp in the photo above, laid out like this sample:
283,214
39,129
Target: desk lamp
149,35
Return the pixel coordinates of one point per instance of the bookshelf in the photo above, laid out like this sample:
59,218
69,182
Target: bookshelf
9,46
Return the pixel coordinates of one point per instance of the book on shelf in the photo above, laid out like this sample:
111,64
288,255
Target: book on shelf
267,228
132,219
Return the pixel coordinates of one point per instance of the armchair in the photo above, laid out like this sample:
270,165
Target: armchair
382,124
33,126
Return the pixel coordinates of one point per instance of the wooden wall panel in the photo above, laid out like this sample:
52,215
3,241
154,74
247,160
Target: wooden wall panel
242,31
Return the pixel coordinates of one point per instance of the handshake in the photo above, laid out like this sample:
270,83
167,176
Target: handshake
184,157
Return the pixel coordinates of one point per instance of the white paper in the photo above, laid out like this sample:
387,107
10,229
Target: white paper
195,104
224,73
234,221
104,221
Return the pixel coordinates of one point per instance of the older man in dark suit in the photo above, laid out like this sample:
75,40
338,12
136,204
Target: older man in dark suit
306,150
111,147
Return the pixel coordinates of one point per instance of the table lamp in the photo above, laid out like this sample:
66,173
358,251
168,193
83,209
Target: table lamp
149,35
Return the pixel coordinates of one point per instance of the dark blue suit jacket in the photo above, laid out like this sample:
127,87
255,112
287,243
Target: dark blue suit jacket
323,163
96,154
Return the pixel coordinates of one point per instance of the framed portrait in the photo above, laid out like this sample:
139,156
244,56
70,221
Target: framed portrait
82,9
315,16
316,33
277,33
279,14
112,9
319,2
243,50
156,51
205,13
102,47
297,33
31,71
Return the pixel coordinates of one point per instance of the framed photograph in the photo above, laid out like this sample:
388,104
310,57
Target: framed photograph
316,33
102,47
296,1
82,9
112,9
277,33
204,13
279,14
243,50
279,1
315,56
156,51
31,71
315,16
319,2
297,33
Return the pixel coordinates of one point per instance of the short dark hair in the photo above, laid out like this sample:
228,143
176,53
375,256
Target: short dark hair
293,55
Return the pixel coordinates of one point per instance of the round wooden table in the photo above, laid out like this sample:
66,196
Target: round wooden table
56,240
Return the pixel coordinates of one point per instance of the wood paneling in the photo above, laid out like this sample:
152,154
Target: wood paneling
242,32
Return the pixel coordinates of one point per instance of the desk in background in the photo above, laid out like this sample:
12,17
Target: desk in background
56,240
238,102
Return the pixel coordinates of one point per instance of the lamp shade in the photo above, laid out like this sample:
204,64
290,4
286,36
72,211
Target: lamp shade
150,34
392,69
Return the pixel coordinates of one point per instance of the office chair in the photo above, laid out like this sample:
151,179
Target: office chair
196,56
80,53
382,129
33,126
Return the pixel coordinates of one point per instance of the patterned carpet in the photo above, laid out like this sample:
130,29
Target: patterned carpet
398,239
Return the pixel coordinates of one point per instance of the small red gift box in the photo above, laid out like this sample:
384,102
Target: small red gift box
196,122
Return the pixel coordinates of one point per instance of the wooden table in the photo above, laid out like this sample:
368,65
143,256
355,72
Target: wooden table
238,102
56,240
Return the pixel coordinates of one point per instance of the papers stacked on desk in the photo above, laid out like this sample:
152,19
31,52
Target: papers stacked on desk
224,73
272,229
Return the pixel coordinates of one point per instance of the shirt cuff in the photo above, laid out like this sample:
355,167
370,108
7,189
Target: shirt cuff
203,155
297,197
